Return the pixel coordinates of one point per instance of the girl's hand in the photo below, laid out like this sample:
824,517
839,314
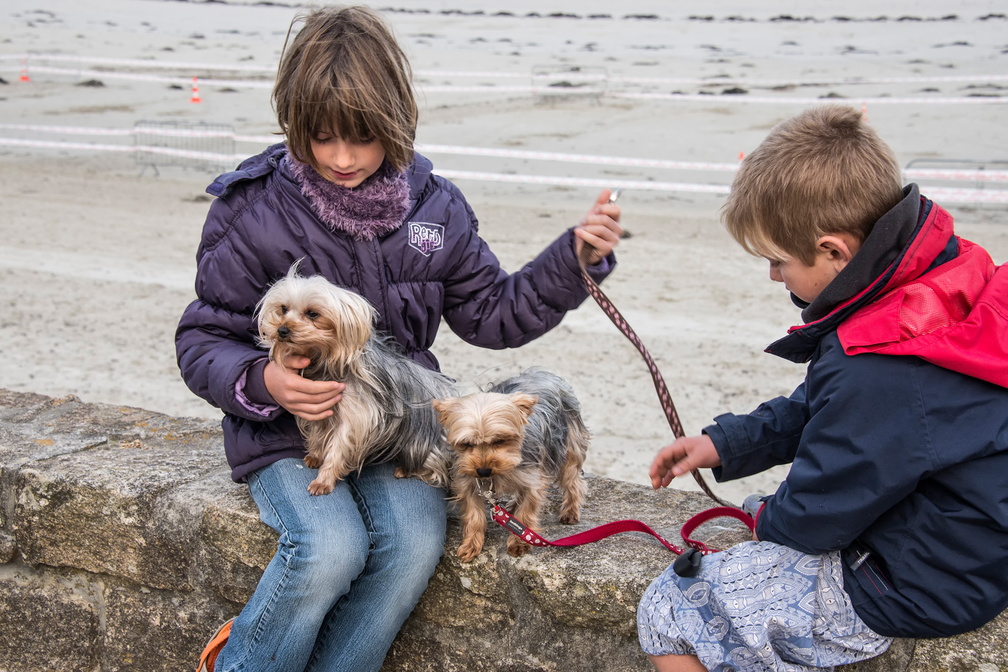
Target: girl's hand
599,231
305,398
682,457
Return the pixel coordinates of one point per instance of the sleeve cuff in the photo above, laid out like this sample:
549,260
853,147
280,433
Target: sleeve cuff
251,392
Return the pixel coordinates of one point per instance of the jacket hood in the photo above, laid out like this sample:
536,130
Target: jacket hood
252,168
418,175
886,242
859,282
929,294
955,316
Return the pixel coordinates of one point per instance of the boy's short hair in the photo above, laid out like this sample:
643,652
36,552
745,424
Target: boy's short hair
824,171
345,74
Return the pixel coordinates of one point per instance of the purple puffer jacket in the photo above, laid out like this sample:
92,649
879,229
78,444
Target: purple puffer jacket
435,265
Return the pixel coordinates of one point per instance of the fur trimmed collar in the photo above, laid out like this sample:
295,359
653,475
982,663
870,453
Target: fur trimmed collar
374,208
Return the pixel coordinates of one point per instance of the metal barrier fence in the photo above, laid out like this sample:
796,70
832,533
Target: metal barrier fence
179,143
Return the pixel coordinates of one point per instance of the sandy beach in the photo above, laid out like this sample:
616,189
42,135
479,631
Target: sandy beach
530,107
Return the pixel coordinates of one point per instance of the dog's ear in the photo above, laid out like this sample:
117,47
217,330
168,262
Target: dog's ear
524,403
354,315
443,408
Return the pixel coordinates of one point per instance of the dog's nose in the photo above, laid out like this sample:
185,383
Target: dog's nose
484,472
283,331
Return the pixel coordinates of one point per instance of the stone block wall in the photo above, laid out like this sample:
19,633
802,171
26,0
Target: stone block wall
124,544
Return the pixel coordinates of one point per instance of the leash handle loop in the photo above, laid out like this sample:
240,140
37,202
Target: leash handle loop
710,514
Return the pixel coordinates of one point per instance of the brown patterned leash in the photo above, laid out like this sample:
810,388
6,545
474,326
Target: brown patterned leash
663,394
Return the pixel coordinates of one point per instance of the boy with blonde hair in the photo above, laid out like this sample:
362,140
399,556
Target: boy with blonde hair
892,519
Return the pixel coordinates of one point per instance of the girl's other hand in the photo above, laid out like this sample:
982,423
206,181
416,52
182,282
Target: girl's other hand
599,231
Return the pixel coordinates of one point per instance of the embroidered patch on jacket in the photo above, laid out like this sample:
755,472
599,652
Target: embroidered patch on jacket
425,237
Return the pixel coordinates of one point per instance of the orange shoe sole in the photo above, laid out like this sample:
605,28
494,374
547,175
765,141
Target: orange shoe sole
213,648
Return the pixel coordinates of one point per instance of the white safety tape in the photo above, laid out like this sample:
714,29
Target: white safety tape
446,172
30,58
956,175
593,159
942,195
641,185
937,194
813,81
184,82
68,130
778,100
532,89
52,144
125,149
575,158
420,147
486,88
140,129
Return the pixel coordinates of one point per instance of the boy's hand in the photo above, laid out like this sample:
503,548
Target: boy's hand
682,457
599,231
305,398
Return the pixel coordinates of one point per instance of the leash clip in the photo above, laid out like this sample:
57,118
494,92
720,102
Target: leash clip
487,493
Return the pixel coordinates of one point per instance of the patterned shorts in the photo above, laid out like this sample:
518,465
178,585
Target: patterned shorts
757,606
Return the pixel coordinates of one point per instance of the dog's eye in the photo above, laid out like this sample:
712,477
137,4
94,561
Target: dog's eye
283,309
311,315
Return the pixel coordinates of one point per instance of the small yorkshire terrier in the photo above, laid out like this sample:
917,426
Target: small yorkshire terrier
385,413
514,440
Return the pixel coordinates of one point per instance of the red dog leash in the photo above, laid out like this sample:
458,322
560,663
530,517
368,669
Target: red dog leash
688,562
530,536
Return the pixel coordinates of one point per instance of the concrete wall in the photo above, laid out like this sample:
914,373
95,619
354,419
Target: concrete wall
124,543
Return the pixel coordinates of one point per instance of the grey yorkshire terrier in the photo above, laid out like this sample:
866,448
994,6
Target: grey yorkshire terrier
515,439
385,413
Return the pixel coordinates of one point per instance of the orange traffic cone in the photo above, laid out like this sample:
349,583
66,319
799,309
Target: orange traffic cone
24,71
195,93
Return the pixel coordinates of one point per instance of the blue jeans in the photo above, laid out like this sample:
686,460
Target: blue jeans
349,568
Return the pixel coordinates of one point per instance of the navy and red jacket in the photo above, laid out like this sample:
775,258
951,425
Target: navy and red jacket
434,266
898,437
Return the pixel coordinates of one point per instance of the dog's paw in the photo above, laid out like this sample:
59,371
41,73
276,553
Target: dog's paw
320,487
469,549
430,478
312,461
570,517
516,548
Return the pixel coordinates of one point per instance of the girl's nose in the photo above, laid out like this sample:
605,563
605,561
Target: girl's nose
342,154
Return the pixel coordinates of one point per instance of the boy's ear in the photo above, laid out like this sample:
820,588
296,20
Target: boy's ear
838,248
